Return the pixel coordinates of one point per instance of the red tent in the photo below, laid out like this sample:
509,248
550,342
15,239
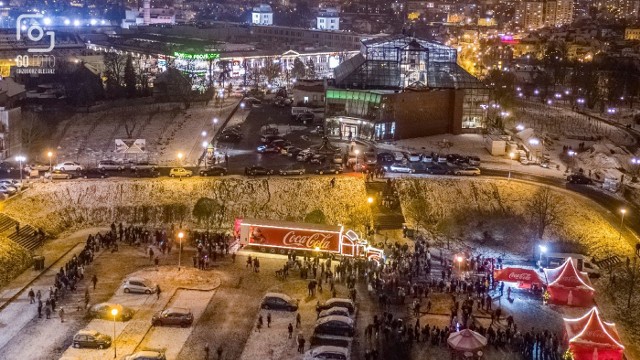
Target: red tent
590,338
568,286
524,277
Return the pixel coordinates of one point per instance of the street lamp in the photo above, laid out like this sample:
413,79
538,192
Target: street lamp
459,260
543,250
204,145
511,155
50,154
204,133
215,122
180,156
114,312
20,160
180,236
622,211
370,200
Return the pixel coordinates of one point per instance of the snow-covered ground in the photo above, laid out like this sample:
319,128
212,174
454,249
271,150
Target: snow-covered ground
167,129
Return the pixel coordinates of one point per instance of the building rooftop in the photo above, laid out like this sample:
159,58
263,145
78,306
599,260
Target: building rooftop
263,8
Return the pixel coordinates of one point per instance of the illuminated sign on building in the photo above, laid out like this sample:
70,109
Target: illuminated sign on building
207,56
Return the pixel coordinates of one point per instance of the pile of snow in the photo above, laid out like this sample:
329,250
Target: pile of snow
604,161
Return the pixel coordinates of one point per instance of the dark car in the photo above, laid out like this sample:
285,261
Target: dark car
94,174
277,301
334,325
257,170
386,158
330,169
439,170
268,139
173,316
579,179
103,311
455,159
337,302
318,159
270,131
91,339
230,137
292,170
306,117
6,167
147,173
214,171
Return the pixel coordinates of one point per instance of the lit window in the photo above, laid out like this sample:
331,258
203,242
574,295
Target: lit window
306,99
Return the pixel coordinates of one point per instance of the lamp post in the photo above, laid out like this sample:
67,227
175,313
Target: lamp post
459,260
511,155
370,200
204,145
180,236
50,154
622,211
114,312
543,250
20,160
215,122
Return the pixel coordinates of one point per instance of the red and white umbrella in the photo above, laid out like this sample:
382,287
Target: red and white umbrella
466,340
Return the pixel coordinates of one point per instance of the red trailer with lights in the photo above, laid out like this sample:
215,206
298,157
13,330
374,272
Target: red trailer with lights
280,237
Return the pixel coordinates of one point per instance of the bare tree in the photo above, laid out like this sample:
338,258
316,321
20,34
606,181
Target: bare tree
544,208
33,131
271,70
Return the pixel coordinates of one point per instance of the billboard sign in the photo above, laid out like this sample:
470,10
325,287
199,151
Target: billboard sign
303,239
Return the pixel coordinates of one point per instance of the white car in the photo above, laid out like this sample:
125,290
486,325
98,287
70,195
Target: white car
180,172
139,285
469,171
401,168
442,159
414,157
338,310
427,159
36,167
327,352
69,166
398,156
12,182
110,165
9,190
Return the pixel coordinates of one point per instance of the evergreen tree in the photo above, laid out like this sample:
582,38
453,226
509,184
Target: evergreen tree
130,77
298,71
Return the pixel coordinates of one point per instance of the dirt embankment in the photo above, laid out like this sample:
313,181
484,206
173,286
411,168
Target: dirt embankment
59,206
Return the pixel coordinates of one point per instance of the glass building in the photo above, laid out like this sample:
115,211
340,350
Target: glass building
399,87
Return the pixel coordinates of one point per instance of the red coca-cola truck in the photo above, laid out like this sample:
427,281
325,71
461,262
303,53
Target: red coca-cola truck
279,237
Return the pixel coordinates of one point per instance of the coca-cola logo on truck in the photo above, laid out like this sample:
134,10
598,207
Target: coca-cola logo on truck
520,276
303,239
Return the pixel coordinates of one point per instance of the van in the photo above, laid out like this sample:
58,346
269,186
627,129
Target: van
139,285
581,262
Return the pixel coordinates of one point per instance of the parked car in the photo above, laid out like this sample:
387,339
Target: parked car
146,355
338,158
427,159
455,159
270,131
401,168
69,166
318,159
267,149
267,139
103,311
414,157
289,150
292,170
143,165
327,352
342,311
110,165
330,169
439,170
441,159
335,325
36,167
173,316
385,158
468,171
12,182
6,166
213,171
398,156
229,137
58,174
180,172
338,302
139,285
579,179
304,155
147,173
9,190
473,160
305,118
280,144
257,170
91,339
94,174
278,301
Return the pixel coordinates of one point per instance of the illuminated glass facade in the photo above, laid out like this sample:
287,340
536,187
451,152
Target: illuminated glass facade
370,87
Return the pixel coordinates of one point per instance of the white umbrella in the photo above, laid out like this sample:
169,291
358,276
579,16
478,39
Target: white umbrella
466,340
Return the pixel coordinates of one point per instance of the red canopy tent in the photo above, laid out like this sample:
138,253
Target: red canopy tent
524,277
590,338
568,286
